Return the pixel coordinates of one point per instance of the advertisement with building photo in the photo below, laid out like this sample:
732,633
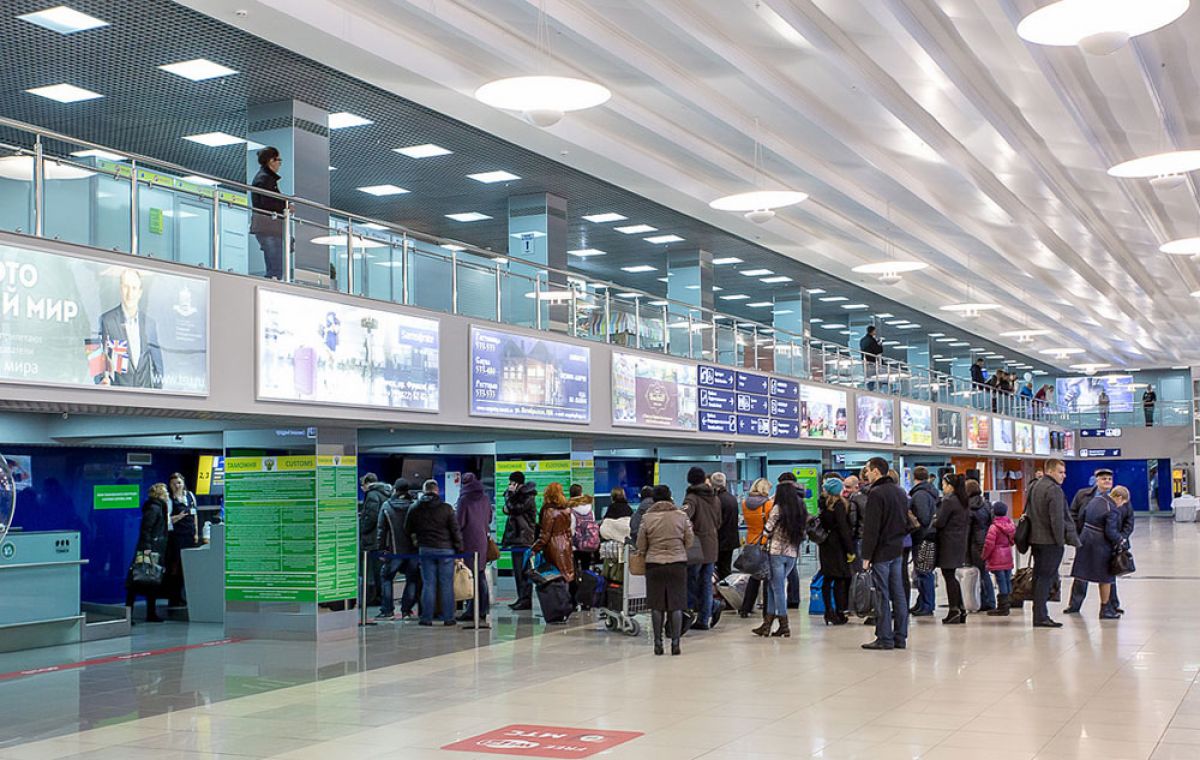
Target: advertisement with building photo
653,392
74,321
310,349
523,377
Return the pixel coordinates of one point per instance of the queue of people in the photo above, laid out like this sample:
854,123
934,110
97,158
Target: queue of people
169,524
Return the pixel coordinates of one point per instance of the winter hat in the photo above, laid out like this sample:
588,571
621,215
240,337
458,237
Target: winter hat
516,476
833,487
999,509
695,476
401,486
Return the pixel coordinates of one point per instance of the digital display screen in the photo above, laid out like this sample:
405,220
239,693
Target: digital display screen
524,377
916,424
1004,434
950,428
653,392
979,432
875,418
823,413
314,350
1083,393
66,320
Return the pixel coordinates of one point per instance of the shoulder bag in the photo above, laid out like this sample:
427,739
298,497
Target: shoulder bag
464,582
926,559
637,562
1023,533
1122,562
816,531
493,551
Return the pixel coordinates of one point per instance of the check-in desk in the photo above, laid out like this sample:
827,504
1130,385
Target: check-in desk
40,589
204,579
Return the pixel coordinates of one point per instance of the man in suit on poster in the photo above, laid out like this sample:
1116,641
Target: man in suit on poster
133,356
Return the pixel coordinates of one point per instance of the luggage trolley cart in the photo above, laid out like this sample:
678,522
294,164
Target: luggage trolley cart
633,600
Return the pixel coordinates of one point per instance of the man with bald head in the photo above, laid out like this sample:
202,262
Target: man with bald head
133,357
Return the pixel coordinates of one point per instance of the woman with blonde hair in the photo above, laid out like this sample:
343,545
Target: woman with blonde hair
755,508
151,547
1100,539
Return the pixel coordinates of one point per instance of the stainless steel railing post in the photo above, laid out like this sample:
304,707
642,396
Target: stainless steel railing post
499,294
350,256
216,229
133,208
454,282
287,241
39,187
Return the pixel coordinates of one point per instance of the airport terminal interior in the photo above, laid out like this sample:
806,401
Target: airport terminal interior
722,379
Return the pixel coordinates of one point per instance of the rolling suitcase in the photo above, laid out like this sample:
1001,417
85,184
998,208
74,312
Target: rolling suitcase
968,580
591,590
555,600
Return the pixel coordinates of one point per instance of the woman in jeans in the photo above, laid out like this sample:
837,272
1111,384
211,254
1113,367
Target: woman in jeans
786,525
953,523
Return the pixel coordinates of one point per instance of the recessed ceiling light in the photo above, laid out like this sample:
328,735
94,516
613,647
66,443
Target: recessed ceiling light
759,304
937,335
639,269
663,279
635,229
816,320
896,322
608,216
755,272
847,332
64,93
198,180
726,260
959,344
198,69
494,176
425,150
63,20
454,247
776,279
815,291
661,239
947,340
97,153
657,303
214,139
717,288
854,306
902,348
833,326
468,216
333,168
373,226
629,295
343,119
584,253
735,297
781,311
380,190
833,299
911,326
883,315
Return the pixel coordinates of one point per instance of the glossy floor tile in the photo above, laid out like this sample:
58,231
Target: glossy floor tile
992,689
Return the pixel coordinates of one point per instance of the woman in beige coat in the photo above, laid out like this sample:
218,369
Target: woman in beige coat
663,539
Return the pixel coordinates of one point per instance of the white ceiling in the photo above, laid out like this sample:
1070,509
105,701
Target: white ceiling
987,155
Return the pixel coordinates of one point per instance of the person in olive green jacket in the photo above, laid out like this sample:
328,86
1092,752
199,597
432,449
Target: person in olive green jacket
664,538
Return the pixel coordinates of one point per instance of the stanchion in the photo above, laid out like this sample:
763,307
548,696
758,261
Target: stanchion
362,591
475,589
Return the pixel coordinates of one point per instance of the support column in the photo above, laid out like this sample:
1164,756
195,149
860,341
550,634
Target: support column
792,333
537,232
690,282
301,133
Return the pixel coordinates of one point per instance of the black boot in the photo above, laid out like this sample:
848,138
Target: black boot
1002,607
676,630
784,629
765,628
657,618
953,617
1108,612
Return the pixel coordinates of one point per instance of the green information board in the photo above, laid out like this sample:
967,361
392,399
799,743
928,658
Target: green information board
540,472
117,497
271,529
810,478
337,528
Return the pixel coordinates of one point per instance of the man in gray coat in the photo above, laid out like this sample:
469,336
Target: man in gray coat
1048,535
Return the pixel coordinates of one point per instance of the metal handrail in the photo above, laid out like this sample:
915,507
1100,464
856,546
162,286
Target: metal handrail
883,370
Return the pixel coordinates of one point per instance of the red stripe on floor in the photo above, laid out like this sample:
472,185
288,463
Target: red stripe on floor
115,658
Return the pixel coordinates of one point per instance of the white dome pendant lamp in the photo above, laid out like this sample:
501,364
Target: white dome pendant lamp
543,100
1098,27
759,205
892,270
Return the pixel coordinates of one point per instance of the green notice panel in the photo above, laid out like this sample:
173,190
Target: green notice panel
337,528
271,529
116,497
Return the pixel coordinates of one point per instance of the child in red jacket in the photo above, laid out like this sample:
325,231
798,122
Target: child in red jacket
998,556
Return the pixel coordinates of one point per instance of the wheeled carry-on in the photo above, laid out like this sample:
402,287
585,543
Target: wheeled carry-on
625,598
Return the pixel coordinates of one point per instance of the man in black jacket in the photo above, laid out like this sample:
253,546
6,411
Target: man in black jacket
375,494
520,531
432,525
924,498
871,350
728,538
1103,478
1050,530
391,537
885,525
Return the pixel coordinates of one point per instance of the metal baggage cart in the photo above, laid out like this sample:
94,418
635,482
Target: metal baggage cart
633,601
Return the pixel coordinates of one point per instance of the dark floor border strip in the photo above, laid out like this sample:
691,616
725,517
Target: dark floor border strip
115,658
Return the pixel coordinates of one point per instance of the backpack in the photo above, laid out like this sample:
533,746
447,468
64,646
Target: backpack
816,531
587,533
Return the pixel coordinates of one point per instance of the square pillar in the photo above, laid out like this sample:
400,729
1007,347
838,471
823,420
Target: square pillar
690,282
537,232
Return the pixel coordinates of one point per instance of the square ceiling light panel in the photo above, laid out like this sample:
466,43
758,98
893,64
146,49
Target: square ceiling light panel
63,20
726,260
214,139
635,229
640,268
833,299
427,150
755,272
382,190
64,93
584,253
468,216
608,216
735,297
488,178
97,153
776,279
344,119
198,69
663,239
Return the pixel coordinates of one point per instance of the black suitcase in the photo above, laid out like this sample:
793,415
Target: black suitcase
555,600
591,590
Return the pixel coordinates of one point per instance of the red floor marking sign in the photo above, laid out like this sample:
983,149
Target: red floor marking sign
544,741
115,658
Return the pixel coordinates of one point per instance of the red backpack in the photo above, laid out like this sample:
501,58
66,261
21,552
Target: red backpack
587,533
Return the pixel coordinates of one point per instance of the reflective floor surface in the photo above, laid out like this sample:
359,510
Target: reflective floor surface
994,688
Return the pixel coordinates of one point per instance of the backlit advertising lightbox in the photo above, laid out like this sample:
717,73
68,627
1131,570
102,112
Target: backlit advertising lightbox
823,413
525,377
653,392
916,424
875,418
950,424
979,432
1023,438
1002,434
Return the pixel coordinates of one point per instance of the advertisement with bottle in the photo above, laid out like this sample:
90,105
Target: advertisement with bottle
979,432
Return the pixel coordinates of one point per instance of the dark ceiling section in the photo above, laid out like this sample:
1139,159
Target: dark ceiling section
148,111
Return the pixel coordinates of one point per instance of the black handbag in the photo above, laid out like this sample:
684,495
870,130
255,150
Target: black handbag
145,575
816,531
1122,562
754,561
1023,533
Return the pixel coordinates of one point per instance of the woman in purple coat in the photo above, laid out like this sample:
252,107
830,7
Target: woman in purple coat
474,511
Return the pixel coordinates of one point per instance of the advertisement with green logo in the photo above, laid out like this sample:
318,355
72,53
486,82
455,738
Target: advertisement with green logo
809,478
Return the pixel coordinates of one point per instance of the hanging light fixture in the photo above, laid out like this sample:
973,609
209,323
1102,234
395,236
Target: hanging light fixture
1164,170
759,205
1090,368
1182,247
970,309
891,271
544,99
1061,352
1024,337
1098,27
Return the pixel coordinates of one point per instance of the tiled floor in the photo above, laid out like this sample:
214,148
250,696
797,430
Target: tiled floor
994,688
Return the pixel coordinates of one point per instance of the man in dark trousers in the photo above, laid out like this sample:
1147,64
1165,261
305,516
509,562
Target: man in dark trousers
728,538
1102,483
1048,535
871,350
885,525
924,498
1149,399
375,493
391,537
